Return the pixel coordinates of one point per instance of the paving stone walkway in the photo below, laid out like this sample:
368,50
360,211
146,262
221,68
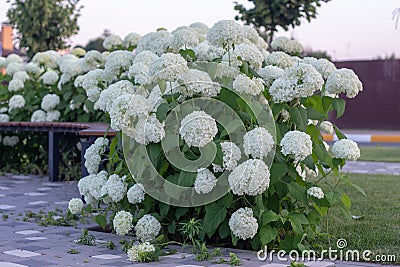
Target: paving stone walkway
370,167
25,243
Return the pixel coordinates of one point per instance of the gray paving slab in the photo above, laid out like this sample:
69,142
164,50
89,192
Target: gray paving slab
371,167
28,244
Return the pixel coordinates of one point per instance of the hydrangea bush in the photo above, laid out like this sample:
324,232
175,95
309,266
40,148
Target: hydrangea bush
43,90
215,129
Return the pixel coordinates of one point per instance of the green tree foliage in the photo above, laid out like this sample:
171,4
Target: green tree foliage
97,44
44,24
268,15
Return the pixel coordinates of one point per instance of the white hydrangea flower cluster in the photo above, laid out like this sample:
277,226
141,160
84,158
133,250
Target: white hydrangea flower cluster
258,143
147,228
269,74
246,52
205,181
90,187
183,39
140,107
16,102
119,108
198,82
117,62
138,71
243,224
251,34
123,222
231,154
207,52
244,85
108,96
149,130
78,51
296,143
75,205
15,85
91,83
168,66
280,60
200,27
96,183
136,194
112,42
346,149
14,67
38,116
21,75
49,102
94,58
250,178
325,67
50,77
10,140
93,78
198,129
4,118
145,57
72,66
136,250
92,155
13,58
53,115
156,42
286,45
343,81
33,69
301,80
78,82
140,68
316,192
131,40
115,188
225,32
47,59
309,60
84,185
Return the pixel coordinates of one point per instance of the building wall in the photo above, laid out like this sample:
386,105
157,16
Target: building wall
6,39
378,105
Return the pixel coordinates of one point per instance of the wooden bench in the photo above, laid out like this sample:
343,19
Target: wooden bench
55,131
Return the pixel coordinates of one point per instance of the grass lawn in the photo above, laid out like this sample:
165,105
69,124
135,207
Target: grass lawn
379,229
380,153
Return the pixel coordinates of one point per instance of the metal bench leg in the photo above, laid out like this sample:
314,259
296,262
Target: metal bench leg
54,156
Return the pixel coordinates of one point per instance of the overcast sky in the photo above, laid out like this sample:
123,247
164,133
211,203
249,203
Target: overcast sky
347,29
